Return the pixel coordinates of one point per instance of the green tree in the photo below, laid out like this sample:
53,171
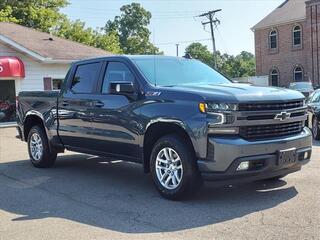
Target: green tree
6,15
44,15
76,31
109,42
132,29
242,65
201,52
38,14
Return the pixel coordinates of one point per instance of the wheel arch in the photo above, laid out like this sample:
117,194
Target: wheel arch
159,129
32,119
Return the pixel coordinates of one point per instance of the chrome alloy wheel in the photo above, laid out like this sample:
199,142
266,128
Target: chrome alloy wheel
169,168
36,147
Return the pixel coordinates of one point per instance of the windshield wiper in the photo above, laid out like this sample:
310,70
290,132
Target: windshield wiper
169,86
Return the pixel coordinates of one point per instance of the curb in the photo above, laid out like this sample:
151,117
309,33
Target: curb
8,125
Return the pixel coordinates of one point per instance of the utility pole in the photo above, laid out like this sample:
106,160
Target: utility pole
213,22
177,46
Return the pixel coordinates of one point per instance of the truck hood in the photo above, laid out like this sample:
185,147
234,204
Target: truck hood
237,93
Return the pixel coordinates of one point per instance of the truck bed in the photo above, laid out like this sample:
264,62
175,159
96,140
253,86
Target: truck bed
43,102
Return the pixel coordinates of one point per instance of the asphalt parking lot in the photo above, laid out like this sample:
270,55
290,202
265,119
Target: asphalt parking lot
85,197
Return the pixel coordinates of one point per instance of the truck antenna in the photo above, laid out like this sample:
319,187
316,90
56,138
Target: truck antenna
154,57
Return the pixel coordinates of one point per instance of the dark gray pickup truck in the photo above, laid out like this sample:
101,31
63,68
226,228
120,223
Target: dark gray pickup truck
183,121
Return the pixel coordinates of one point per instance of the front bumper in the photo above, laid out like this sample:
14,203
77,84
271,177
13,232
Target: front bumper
225,155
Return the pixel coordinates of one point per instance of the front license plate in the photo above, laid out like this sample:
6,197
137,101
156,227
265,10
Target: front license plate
287,157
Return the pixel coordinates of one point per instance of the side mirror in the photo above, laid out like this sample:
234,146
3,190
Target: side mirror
122,88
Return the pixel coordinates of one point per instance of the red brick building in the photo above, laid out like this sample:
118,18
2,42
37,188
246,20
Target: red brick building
287,43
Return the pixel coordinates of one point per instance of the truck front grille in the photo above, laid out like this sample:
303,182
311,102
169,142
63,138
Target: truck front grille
270,131
270,106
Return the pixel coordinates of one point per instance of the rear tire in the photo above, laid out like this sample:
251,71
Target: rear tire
173,168
38,147
315,129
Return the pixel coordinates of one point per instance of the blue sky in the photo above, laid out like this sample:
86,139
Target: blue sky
173,20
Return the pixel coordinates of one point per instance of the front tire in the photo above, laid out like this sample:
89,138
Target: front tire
38,147
315,129
173,168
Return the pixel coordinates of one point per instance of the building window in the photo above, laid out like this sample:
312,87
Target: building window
297,36
47,83
274,76
273,39
298,74
56,84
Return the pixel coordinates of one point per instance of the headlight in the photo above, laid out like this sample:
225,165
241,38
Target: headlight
221,107
217,107
220,114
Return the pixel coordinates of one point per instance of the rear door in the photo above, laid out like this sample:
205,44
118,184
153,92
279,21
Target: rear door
76,105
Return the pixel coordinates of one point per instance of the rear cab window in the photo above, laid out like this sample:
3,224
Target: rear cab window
85,78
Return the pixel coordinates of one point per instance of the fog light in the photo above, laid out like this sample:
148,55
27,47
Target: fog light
227,130
306,155
244,166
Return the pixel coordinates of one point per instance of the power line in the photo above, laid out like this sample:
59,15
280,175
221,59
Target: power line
182,42
153,18
224,43
153,12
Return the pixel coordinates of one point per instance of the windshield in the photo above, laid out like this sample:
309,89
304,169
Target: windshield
178,71
301,85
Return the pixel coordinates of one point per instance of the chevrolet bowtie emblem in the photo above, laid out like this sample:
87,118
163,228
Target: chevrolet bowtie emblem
282,116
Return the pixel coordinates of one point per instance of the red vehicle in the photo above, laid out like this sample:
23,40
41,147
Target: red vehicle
7,111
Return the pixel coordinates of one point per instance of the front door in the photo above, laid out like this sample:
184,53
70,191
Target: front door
115,118
313,106
7,101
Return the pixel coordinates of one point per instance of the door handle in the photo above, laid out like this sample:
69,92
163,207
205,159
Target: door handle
65,103
99,104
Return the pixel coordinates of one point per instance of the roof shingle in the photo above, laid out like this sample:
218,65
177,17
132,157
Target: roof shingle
48,46
288,11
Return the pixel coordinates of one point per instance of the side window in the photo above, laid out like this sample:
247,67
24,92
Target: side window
298,74
85,78
316,97
274,75
297,36
273,40
116,72
311,97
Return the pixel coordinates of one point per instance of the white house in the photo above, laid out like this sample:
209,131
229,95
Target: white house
31,60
